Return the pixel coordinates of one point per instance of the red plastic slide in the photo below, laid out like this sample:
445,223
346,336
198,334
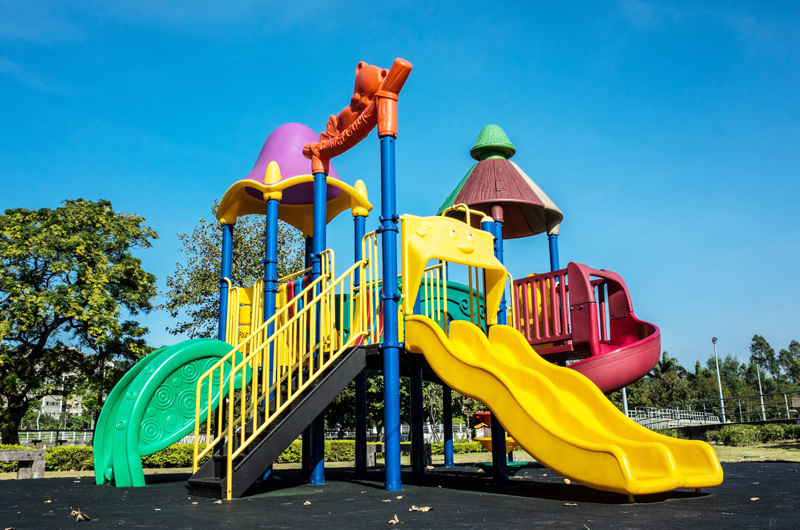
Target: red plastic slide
586,315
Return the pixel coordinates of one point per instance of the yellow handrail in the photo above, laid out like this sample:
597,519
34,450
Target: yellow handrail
461,207
218,369
306,340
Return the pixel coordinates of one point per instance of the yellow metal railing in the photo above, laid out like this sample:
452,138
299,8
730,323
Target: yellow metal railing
434,289
371,286
307,338
461,207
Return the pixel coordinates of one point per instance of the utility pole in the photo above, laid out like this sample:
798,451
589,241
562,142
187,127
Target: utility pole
760,393
719,380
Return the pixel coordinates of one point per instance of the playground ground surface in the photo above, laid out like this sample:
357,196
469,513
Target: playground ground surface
753,495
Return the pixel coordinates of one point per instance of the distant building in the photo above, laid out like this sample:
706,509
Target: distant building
54,405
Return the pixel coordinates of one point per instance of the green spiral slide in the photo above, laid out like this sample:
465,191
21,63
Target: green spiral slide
153,406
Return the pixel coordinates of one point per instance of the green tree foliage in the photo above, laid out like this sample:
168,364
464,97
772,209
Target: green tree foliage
193,290
68,280
789,360
762,354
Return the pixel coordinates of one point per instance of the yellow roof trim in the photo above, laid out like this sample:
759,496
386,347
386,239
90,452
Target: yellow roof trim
237,202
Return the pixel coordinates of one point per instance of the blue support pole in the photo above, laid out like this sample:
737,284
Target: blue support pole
225,272
360,223
270,273
552,241
270,288
305,453
447,420
317,450
390,346
417,420
499,455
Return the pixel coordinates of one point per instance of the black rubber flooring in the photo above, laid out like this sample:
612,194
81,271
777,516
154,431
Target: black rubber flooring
753,495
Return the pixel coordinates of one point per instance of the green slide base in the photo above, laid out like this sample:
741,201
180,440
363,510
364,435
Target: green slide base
153,407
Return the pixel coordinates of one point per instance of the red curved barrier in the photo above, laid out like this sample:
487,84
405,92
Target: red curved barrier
586,315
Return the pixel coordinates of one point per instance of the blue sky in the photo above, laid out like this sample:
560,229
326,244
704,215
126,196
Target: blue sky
666,132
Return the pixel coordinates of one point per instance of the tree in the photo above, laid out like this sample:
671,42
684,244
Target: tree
667,364
68,275
193,295
763,355
789,361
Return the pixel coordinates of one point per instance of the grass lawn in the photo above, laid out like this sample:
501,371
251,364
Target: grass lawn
775,452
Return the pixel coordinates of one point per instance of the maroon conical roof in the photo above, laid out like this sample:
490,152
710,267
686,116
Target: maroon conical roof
499,188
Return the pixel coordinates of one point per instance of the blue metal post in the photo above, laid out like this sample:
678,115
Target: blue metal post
270,273
447,413
552,240
499,462
270,288
390,347
361,379
225,272
317,462
417,420
305,454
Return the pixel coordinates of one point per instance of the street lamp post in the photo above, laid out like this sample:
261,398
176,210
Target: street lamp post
761,393
719,380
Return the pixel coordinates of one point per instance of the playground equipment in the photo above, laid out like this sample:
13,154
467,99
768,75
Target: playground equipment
288,346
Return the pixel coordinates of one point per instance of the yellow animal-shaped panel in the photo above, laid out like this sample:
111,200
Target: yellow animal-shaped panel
427,238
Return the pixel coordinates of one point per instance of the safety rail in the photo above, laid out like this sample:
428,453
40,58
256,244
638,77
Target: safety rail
306,340
246,305
462,207
213,378
434,287
571,311
542,303
370,283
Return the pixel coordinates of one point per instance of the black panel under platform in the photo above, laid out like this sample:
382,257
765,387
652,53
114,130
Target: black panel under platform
249,467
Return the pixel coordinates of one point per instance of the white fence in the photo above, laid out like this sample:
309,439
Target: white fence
51,438
656,418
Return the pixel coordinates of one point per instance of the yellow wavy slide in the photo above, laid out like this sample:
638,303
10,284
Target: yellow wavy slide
557,415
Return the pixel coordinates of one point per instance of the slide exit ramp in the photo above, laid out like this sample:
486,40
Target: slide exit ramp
556,414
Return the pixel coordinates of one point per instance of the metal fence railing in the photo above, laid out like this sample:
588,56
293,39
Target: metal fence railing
670,418
51,438
737,409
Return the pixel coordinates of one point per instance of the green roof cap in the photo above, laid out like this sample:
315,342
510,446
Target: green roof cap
492,142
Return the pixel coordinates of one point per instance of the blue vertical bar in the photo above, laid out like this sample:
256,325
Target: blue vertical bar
447,419
317,449
418,462
225,272
360,223
270,289
499,462
270,274
552,241
391,346
305,454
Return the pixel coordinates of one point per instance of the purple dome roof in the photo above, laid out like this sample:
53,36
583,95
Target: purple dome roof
285,146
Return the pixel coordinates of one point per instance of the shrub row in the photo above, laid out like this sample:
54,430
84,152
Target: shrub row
740,435
79,458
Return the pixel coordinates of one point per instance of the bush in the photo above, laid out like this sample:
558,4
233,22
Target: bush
293,454
459,448
773,432
178,455
672,433
792,432
80,458
713,436
739,435
69,458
